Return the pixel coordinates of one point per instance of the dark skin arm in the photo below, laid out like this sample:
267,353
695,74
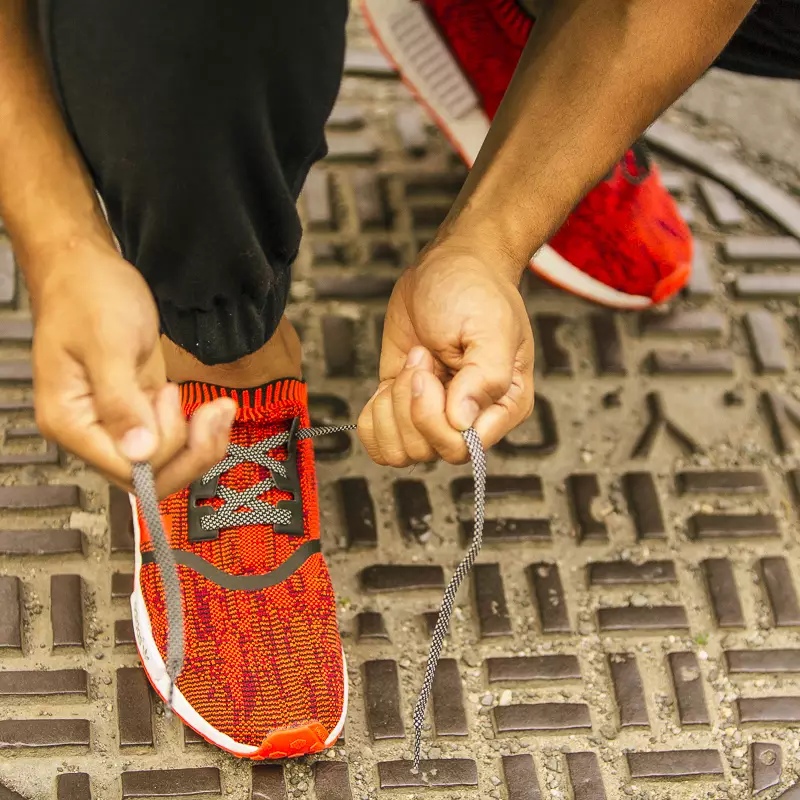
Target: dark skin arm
99,376
593,76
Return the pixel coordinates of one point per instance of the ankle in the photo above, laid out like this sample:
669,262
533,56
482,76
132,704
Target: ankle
280,357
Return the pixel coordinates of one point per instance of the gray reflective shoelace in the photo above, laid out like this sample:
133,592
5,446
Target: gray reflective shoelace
261,512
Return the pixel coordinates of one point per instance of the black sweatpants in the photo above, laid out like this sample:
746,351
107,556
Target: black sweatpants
199,121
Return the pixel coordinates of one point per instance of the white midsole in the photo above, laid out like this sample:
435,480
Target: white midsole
553,265
157,671
467,134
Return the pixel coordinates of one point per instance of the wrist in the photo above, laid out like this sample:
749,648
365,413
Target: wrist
47,262
486,245
40,243
48,221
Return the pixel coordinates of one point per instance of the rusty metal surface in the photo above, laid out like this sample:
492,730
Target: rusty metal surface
632,629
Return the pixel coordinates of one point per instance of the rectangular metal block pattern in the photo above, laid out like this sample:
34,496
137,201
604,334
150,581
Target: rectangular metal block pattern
542,717
490,601
520,776
66,607
630,627
675,764
628,690
10,613
43,733
382,700
134,708
447,700
171,782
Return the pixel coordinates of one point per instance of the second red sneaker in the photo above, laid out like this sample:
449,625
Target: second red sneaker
625,245
263,672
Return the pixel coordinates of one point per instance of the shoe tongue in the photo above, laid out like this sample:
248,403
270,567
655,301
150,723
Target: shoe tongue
271,400
636,164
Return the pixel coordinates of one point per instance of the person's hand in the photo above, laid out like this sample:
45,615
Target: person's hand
457,352
99,382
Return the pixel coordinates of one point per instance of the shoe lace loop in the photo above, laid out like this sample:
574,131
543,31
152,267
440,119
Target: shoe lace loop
261,512
642,161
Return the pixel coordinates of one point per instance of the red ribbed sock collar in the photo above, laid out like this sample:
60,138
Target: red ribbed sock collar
252,402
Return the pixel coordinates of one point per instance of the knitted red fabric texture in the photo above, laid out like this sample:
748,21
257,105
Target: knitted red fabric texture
477,37
630,236
256,661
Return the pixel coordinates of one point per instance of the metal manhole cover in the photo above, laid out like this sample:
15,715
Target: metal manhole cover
632,629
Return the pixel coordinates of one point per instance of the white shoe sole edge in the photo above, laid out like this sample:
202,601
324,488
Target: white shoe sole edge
157,672
466,128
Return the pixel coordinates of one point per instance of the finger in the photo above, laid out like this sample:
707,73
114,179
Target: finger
366,428
92,444
387,433
65,414
429,418
398,335
414,443
75,428
123,406
483,379
206,444
496,422
172,427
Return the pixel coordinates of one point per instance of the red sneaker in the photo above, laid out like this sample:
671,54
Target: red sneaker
263,669
625,245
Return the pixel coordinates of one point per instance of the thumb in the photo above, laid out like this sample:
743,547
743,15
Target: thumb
484,377
123,407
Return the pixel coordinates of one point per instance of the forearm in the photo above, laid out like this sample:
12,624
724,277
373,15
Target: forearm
47,199
593,76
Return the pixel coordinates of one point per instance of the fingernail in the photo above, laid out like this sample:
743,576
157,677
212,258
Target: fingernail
470,409
137,444
417,385
414,357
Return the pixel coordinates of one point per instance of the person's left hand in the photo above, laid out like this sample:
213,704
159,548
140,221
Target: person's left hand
457,353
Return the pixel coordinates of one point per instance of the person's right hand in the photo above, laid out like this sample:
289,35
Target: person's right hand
99,379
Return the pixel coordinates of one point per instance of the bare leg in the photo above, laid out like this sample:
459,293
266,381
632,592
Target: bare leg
280,357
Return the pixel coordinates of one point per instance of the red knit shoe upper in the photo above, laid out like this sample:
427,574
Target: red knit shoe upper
475,34
261,661
627,234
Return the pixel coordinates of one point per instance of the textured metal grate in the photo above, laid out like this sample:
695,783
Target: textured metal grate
632,627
